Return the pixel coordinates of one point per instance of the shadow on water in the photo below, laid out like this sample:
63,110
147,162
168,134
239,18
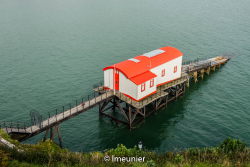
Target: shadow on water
155,129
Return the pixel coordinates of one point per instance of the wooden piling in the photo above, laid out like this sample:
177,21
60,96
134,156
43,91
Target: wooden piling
195,76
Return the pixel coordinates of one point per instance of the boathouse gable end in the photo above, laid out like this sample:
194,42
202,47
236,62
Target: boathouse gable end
108,79
128,87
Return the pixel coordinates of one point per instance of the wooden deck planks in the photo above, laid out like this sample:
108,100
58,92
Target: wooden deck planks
60,117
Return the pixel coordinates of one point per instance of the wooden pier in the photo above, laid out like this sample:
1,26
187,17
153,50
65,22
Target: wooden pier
131,112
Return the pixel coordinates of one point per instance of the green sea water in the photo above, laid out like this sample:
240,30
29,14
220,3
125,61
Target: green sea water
52,52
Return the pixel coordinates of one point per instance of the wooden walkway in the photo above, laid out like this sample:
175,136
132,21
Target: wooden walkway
192,70
56,119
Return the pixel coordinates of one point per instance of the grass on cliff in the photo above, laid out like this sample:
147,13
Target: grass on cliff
231,152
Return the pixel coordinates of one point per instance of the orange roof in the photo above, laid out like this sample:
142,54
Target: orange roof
141,78
143,63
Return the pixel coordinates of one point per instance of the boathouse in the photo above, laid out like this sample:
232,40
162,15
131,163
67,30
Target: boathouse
139,77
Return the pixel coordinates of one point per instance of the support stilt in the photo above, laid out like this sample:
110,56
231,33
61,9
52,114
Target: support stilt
46,134
114,104
202,73
51,133
184,87
208,70
144,111
195,75
53,130
59,136
176,93
166,101
129,117
188,82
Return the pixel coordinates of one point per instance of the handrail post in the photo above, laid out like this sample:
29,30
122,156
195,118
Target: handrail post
4,124
10,125
48,118
63,111
41,121
88,100
56,115
69,108
76,106
25,127
17,126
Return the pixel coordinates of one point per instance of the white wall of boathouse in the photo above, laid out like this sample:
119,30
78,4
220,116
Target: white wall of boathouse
169,71
148,90
127,86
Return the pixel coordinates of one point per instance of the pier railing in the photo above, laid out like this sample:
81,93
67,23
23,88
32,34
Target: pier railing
198,65
41,120
13,125
187,62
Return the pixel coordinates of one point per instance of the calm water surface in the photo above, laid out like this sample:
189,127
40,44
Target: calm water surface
52,52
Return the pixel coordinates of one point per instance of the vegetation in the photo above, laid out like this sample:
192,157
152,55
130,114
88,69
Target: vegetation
231,152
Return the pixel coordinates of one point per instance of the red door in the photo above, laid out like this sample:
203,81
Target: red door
116,80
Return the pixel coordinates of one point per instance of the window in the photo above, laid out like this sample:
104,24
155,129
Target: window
142,87
151,83
163,73
175,69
